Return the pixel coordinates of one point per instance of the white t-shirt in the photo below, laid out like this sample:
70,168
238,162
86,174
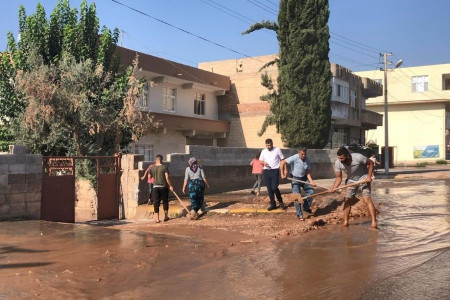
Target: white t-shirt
272,157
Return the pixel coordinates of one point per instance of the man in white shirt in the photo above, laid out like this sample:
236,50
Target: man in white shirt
271,158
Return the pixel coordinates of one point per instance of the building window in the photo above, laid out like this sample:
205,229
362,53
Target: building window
420,83
340,90
169,98
353,96
146,150
446,82
199,104
143,99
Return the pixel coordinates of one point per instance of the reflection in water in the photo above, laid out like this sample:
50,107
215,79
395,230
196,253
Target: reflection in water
408,258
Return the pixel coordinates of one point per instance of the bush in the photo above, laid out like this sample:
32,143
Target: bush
441,162
421,164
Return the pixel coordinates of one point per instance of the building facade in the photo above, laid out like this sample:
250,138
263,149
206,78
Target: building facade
242,107
418,112
184,99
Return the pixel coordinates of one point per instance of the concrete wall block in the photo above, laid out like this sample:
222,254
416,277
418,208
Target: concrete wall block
4,210
3,180
33,159
2,199
7,159
30,178
16,188
34,187
15,198
17,169
18,149
34,169
17,210
34,209
4,169
33,197
17,178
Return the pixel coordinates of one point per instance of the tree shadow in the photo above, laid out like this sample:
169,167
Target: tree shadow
13,249
24,265
222,205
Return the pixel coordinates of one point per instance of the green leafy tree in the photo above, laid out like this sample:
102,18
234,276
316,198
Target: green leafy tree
300,104
62,91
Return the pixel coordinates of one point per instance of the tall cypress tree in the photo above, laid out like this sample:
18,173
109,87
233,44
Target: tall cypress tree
301,106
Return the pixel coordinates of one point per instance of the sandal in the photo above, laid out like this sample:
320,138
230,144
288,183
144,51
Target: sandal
166,219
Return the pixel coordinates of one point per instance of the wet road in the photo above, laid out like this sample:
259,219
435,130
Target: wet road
408,258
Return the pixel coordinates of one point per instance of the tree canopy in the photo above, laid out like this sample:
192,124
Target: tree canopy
61,88
300,105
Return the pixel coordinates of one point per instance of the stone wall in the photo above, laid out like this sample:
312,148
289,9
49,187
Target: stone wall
20,184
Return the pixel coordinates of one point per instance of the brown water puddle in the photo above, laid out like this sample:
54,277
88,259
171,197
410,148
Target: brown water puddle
408,258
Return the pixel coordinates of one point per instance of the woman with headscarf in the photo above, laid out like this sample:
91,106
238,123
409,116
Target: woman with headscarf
195,179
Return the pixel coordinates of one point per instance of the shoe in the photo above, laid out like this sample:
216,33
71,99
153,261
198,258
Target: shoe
271,208
252,192
282,206
308,210
166,219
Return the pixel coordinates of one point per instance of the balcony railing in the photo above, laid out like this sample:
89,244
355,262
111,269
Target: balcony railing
371,119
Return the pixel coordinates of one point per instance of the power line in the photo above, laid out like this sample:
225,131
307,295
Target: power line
183,30
341,36
353,50
350,43
268,7
274,4
237,15
256,4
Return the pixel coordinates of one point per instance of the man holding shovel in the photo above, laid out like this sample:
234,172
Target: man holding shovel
300,171
358,169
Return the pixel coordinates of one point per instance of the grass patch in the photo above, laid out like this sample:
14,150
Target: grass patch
421,164
441,162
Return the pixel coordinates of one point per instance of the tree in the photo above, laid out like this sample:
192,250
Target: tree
71,96
300,106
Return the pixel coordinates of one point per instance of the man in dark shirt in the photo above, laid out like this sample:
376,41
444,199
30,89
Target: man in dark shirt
161,186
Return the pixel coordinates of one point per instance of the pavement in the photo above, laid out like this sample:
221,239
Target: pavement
243,196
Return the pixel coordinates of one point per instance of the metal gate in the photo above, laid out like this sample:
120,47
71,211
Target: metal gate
58,187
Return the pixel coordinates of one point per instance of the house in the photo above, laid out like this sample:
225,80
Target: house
185,99
418,112
242,107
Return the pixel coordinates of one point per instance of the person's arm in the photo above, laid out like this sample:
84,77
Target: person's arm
370,165
283,168
337,181
204,178
168,181
184,187
261,160
146,172
251,163
308,175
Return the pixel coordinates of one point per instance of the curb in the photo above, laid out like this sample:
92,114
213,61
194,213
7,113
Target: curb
173,209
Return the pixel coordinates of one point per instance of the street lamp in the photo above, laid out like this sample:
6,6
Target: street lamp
386,129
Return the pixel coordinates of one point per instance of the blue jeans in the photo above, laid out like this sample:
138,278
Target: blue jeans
296,186
272,179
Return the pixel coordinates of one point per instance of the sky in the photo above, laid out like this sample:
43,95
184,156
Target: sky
360,29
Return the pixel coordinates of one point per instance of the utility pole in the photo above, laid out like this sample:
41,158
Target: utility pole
385,92
386,128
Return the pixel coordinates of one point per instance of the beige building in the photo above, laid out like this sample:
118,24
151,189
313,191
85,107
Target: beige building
184,99
419,113
245,111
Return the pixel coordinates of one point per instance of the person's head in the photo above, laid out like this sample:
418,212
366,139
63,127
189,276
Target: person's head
258,154
302,153
159,158
344,155
192,161
269,144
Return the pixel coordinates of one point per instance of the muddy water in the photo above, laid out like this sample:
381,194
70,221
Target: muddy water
408,258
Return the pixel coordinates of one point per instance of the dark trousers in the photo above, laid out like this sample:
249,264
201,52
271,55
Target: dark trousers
272,179
158,194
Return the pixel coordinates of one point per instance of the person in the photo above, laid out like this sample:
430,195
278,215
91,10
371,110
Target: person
257,169
300,168
161,186
195,178
271,158
375,163
358,168
150,181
